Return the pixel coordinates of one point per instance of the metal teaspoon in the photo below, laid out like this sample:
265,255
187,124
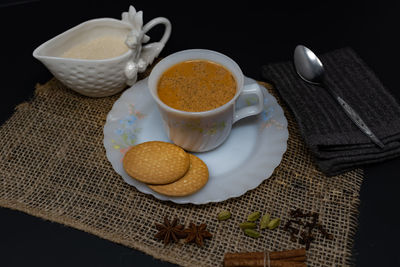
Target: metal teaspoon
311,70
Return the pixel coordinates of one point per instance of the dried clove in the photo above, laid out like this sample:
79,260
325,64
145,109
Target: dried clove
304,223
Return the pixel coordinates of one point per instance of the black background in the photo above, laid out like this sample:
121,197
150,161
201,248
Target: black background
251,33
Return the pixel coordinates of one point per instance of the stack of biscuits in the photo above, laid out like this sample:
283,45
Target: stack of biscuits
166,168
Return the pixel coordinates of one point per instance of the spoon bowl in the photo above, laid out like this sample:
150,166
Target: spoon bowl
308,65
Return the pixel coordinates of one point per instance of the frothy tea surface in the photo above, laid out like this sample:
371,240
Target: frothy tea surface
196,85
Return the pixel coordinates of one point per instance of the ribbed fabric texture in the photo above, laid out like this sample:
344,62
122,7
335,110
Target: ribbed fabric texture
337,144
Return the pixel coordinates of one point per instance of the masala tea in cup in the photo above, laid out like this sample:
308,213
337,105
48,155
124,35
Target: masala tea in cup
196,92
196,85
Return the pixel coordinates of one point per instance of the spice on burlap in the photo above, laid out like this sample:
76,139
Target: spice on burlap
306,235
285,258
197,234
170,231
53,166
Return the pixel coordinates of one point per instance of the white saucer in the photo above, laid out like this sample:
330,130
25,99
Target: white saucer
248,157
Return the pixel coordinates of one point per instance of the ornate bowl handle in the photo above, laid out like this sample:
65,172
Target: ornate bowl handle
156,21
142,56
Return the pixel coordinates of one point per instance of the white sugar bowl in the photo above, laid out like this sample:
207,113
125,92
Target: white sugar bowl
100,57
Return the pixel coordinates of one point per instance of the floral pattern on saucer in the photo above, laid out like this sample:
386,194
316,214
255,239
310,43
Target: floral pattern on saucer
267,117
126,134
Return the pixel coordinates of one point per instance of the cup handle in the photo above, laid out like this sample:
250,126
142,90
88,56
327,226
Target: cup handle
254,109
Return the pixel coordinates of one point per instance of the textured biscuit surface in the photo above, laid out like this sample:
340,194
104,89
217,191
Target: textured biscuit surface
195,178
156,162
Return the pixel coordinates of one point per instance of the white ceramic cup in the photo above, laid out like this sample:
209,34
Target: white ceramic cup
205,130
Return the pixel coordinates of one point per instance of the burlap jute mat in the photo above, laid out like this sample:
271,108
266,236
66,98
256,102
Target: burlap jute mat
53,166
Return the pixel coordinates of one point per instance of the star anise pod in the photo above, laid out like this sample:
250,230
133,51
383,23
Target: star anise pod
169,231
196,234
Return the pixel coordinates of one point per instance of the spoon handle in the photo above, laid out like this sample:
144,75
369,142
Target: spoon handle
358,121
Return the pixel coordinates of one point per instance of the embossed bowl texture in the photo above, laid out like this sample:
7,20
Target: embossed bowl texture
95,78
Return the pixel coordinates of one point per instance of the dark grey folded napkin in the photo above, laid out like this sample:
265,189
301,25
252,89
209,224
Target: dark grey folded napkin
336,143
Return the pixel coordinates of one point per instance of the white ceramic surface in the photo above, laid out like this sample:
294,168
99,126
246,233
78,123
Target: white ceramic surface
206,130
103,77
248,157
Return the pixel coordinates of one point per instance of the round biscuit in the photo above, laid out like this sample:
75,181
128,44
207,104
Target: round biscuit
156,162
195,179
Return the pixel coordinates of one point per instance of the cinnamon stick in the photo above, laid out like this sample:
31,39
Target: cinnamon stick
256,255
299,258
273,255
286,258
262,263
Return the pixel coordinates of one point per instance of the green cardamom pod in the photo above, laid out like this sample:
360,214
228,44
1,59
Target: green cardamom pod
274,223
265,221
252,233
224,215
247,225
254,216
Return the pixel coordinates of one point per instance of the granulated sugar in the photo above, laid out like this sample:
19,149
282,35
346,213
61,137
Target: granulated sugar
103,47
